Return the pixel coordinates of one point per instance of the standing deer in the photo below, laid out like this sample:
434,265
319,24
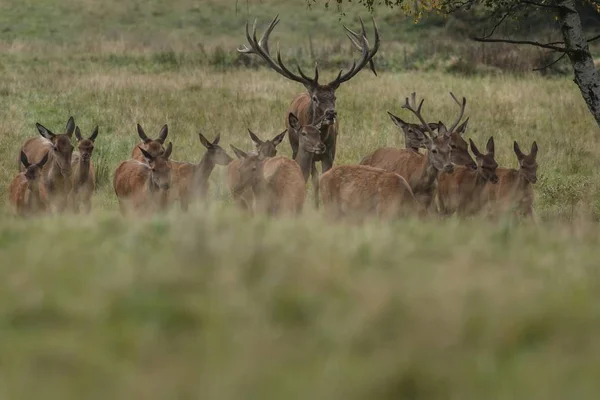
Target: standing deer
189,180
154,147
56,174
27,195
84,180
420,171
264,149
143,187
462,191
317,105
358,191
514,191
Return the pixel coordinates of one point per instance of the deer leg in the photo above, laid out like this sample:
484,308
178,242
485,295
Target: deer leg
315,182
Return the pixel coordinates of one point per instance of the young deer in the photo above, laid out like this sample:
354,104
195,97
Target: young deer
462,191
84,180
358,191
189,180
27,195
154,147
56,174
276,183
419,170
143,187
264,149
514,191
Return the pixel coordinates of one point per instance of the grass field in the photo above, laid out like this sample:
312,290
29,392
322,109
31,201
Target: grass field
217,305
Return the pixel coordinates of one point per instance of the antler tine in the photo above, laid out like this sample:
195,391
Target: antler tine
264,39
462,111
411,107
354,38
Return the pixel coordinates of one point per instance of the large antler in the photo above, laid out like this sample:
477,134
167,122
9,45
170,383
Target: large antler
360,42
462,111
261,48
417,112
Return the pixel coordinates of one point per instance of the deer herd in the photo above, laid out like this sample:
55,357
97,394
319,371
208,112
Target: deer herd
434,174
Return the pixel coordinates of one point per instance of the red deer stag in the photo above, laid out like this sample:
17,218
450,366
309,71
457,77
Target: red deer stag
27,195
420,171
316,106
514,192
189,180
264,149
359,191
461,192
84,180
57,172
154,147
143,187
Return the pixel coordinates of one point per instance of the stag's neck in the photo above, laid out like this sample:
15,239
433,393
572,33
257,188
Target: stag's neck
428,179
305,160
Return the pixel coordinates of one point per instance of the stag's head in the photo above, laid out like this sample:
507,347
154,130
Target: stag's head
322,97
527,162
266,148
216,153
486,164
309,135
160,168
414,134
62,148
154,147
33,172
85,146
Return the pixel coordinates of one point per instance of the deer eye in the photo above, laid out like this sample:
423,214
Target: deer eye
434,151
315,99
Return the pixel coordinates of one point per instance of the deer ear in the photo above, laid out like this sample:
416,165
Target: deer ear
534,149
43,160
44,132
254,138
474,149
168,151
24,159
442,130
78,134
147,155
277,139
238,153
162,136
518,151
205,141
490,145
462,128
398,121
94,134
217,139
293,121
70,127
142,134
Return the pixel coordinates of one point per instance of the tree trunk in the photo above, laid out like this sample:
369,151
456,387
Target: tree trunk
587,77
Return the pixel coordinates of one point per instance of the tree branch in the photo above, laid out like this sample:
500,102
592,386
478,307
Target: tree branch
534,3
528,42
551,64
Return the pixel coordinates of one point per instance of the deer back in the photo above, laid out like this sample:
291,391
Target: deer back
284,182
404,162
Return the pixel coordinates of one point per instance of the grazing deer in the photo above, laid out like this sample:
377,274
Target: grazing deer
264,149
190,179
84,180
317,105
27,195
154,147
357,191
420,171
143,187
462,191
276,183
414,138
514,192
56,174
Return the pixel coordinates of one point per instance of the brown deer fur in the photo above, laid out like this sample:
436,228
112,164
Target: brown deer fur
143,188
27,195
277,183
189,180
84,180
154,147
357,191
57,173
514,191
461,192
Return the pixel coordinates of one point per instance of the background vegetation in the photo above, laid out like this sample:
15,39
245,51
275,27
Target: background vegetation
218,305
